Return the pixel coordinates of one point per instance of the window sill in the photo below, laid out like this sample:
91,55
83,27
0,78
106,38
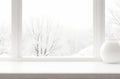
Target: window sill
58,68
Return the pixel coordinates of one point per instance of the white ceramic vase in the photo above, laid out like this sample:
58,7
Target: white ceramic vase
110,51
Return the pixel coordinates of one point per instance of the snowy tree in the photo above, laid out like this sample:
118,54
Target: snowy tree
113,20
45,37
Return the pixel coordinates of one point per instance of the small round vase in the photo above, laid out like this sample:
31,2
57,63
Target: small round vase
110,51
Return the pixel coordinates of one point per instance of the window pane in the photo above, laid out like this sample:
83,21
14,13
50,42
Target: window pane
112,19
57,27
5,27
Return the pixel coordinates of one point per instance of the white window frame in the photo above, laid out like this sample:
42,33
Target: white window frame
16,28
98,25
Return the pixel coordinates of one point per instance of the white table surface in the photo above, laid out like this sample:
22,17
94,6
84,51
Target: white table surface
59,67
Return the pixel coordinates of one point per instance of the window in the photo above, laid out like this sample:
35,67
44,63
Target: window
55,28
112,19
5,27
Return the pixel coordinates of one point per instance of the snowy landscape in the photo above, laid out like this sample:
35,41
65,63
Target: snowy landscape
50,29
5,27
57,27
112,19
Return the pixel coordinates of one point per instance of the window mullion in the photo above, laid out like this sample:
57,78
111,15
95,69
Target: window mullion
16,27
99,25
